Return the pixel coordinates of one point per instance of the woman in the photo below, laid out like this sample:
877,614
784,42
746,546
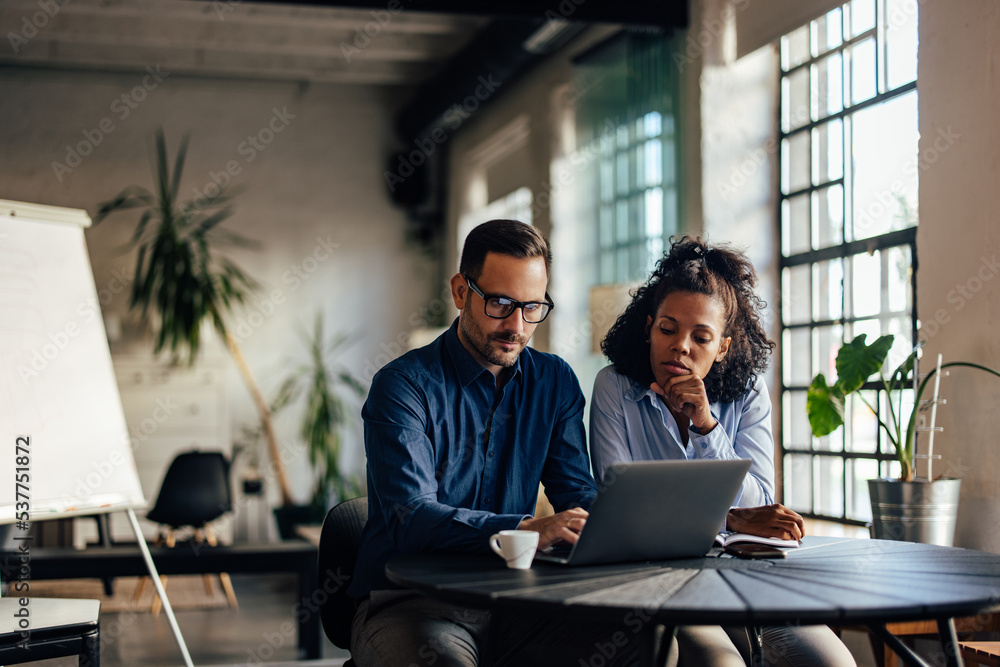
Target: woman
685,383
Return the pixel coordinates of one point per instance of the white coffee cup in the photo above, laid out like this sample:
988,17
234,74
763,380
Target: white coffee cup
517,547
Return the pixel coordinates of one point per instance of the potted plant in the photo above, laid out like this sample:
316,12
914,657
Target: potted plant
323,385
908,508
181,282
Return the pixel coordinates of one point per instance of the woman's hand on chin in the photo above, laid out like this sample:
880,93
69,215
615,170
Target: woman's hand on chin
686,395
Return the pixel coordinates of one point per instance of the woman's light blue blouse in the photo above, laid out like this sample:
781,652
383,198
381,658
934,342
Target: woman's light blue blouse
629,422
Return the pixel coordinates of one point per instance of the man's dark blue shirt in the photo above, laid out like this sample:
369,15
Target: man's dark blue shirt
452,459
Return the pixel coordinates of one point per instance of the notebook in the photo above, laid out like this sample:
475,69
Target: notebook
655,510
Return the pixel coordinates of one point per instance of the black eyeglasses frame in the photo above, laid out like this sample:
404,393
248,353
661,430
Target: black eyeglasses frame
514,304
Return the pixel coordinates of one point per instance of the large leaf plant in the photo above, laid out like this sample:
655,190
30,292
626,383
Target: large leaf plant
857,362
181,281
323,385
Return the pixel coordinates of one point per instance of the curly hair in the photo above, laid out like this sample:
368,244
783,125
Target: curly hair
719,271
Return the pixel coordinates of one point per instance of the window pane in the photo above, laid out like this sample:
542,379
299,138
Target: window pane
828,152
637,261
621,172
652,123
827,341
621,135
796,162
795,48
833,442
901,328
864,425
827,31
653,205
795,225
608,268
828,86
622,266
621,220
654,162
829,496
884,147
607,180
638,154
901,42
828,290
795,300
862,16
862,59
795,357
797,432
899,269
795,100
867,280
828,212
883,408
859,471
654,248
607,225
798,482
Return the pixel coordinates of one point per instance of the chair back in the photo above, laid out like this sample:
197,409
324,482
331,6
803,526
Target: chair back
338,553
195,490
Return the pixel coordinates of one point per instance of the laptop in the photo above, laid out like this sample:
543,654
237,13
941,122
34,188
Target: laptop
655,510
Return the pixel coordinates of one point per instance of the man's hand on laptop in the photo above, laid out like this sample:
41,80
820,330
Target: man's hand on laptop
562,527
768,521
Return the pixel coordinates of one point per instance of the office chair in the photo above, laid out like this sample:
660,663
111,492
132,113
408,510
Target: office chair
338,553
195,491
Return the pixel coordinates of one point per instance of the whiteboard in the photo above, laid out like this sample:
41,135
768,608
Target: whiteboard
57,383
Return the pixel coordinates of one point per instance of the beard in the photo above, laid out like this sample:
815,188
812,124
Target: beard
481,343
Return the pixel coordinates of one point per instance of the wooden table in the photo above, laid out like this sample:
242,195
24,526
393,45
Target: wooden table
825,581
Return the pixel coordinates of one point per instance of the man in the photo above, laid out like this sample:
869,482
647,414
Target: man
458,436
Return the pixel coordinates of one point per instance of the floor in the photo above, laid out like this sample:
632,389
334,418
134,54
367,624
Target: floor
261,631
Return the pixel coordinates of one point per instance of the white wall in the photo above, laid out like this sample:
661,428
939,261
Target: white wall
314,197
958,292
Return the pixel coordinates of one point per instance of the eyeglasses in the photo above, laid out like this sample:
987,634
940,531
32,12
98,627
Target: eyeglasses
500,307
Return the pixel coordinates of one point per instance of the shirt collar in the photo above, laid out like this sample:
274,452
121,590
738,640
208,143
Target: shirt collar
468,368
636,392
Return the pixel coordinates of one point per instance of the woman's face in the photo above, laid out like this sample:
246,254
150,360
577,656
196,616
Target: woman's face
685,336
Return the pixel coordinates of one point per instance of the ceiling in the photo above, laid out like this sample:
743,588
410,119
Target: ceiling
232,38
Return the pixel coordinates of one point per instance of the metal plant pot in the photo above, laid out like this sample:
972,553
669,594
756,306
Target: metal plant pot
918,511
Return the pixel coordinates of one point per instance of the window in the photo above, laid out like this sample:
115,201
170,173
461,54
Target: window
626,120
848,215
631,230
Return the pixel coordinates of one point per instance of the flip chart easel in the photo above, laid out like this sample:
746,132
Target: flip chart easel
62,427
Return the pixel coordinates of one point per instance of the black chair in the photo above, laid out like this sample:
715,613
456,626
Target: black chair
338,553
195,492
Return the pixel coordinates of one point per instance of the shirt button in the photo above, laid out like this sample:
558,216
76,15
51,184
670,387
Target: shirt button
486,502
489,454
704,445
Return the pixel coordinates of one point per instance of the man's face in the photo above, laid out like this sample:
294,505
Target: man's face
496,343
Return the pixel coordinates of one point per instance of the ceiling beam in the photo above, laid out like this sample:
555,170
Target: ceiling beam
662,13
